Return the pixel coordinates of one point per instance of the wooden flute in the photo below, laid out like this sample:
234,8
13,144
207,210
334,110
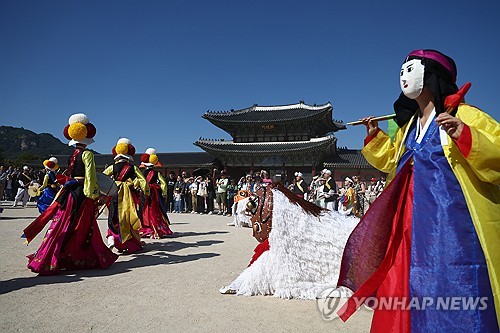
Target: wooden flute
359,122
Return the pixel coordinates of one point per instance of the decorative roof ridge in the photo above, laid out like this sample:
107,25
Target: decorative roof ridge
232,111
178,152
345,149
242,144
255,107
213,140
300,105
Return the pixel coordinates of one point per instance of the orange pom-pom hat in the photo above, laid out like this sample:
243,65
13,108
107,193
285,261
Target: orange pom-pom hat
79,130
123,149
149,158
51,164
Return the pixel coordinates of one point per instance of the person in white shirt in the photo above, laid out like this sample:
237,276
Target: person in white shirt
193,190
24,181
221,196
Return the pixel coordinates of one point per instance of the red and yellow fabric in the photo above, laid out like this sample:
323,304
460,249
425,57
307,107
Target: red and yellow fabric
44,185
90,187
163,184
127,212
475,161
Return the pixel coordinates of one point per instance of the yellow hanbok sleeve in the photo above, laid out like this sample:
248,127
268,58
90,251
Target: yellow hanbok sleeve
380,152
90,187
484,156
478,175
383,153
44,185
108,171
140,181
351,195
163,184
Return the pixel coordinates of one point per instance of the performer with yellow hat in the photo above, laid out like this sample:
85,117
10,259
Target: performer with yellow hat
347,201
123,220
50,186
73,240
155,222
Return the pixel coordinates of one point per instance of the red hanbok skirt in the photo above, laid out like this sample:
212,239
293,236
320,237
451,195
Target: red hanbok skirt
154,223
69,243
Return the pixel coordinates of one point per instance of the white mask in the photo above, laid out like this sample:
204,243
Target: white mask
412,78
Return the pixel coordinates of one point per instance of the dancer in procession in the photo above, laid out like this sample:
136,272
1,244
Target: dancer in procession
299,250
433,233
348,199
73,240
50,186
123,220
155,222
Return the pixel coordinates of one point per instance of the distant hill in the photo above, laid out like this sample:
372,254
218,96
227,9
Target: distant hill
18,145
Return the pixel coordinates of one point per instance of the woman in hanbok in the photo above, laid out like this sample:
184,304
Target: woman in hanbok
47,192
347,201
155,223
429,243
73,240
123,220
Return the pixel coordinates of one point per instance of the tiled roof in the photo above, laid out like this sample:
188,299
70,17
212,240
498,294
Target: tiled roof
265,114
276,148
348,158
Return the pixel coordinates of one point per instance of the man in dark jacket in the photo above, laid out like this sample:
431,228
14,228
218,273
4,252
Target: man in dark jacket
170,191
331,191
301,188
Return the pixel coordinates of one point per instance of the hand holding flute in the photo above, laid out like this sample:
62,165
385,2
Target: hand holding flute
371,124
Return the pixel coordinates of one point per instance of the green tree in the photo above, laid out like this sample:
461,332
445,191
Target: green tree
26,157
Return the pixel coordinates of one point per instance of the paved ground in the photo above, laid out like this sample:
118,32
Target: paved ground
171,286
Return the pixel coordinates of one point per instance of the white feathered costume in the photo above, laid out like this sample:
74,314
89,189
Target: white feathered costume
304,256
240,217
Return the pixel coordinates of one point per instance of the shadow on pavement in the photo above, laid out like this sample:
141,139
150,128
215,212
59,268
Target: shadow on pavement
139,260
176,246
192,233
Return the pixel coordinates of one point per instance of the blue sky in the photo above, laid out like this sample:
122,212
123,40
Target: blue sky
148,70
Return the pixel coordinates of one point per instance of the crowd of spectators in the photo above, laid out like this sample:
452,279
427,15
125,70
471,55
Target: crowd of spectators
353,198
210,193
214,193
10,180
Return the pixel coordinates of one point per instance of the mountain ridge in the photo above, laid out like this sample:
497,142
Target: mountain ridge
18,145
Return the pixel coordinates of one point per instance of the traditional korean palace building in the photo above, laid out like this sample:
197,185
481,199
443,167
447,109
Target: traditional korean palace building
283,140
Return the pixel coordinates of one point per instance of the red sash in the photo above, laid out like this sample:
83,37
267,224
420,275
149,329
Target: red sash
150,176
123,172
72,161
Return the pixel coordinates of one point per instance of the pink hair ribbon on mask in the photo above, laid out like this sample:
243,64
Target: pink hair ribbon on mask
437,57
